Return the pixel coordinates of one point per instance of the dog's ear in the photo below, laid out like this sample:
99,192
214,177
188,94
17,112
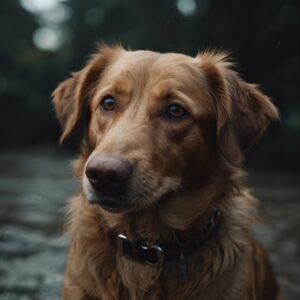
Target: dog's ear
71,97
243,111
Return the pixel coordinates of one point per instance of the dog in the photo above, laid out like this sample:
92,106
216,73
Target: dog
162,212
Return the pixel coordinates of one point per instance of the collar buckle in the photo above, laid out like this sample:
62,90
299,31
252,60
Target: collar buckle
160,256
152,255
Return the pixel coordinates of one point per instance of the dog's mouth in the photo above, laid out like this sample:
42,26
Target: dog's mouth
114,207
113,204
120,204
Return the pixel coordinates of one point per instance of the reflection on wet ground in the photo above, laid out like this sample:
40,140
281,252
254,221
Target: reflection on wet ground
33,190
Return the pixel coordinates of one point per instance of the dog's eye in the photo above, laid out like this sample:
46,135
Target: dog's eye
175,111
108,103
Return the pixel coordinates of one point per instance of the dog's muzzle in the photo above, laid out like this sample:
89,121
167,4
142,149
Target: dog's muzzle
109,177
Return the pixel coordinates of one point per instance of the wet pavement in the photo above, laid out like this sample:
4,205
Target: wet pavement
33,190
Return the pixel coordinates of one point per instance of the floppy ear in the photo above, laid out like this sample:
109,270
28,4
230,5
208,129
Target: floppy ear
243,111
251,110
71,97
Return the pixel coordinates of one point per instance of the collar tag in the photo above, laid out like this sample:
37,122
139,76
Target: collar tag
183,267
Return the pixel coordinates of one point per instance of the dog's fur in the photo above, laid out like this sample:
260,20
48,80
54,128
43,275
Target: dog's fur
195,160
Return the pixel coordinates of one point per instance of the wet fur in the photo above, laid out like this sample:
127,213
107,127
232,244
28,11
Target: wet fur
197,159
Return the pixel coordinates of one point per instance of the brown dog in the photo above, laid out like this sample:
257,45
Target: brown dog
162,213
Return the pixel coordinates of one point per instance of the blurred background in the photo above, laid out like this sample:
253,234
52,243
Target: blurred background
42,41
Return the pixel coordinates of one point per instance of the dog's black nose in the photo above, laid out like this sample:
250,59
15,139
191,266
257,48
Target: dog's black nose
109,174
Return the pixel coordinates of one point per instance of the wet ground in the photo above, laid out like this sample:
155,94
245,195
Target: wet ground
33,189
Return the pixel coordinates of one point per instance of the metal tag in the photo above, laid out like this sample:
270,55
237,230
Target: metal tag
183,268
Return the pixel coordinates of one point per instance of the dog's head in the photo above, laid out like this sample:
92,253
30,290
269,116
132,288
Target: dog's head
159,124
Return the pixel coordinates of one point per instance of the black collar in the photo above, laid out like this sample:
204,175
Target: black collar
157,255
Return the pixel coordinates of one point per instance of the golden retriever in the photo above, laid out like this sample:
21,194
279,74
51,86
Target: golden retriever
162,213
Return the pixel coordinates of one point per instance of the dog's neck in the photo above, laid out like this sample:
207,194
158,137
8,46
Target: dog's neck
218,257
161,253
221,253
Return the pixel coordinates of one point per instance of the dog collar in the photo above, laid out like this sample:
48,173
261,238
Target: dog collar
158,255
